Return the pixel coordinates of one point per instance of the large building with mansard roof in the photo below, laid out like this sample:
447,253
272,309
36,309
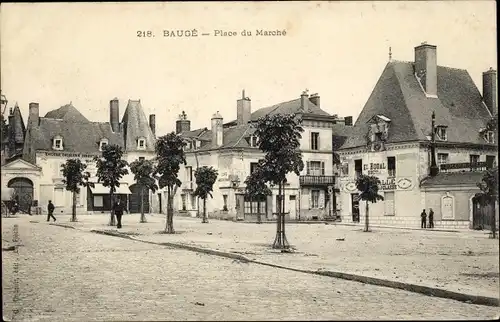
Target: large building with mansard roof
393,140
232,149
64,133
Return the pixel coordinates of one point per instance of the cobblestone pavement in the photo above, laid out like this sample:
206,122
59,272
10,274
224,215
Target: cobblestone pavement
66,274
465,262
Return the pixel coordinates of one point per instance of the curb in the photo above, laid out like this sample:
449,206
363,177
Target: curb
63,225
425,290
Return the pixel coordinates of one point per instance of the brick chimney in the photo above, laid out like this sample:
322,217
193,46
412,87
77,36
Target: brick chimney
152,123
182,124
303,101
34,115
243,109
114,115
314,98
490,90
348,120
217,130
426,67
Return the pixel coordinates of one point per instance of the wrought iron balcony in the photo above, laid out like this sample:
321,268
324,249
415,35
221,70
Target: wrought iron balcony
465,166
309,180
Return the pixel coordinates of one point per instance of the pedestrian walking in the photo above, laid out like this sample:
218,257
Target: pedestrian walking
431,218
118,210
50,209
423,217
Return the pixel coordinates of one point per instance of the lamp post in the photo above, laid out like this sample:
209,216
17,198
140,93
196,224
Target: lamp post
434,167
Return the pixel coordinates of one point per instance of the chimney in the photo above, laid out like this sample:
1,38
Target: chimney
303,101
114,115
217,130
490,90
34,115
314,98
426,67
152,123
182,124
348,120
243,109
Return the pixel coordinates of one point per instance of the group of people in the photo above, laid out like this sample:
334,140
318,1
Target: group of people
423,217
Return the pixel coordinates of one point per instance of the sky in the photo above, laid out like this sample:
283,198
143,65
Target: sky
89,53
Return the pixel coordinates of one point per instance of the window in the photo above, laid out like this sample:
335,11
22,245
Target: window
391,166
141,158
253,166
141,143
474,159
57,143
102,144
442,158
314,141
224,197
193,202
345,169
358,167
315,168
98,201
489,136
441,133
189,173
315,199
490,161
254,142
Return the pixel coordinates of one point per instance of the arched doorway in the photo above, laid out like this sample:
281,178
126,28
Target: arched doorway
134,204
23,190
482,215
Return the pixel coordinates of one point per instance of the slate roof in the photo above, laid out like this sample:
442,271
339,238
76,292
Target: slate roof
398,96
233,137
68,113
82,137
453,179
136,125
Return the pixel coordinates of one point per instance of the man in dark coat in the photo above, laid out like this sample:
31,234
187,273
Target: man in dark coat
118,210
423,217
50,209
431,218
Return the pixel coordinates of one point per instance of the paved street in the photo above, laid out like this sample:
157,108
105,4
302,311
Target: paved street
466,262
67,274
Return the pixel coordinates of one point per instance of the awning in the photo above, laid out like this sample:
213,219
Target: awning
99,189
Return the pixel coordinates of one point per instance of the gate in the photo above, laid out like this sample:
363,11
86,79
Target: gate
134,205
482,215
23,191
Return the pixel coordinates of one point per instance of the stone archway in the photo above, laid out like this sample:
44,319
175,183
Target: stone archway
23,192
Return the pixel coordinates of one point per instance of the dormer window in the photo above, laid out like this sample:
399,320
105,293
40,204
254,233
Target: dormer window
103,144
254,142
57,143
141,143
441,133
489,136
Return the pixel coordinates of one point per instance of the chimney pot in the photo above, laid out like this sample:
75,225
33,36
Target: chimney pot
182,124
243,110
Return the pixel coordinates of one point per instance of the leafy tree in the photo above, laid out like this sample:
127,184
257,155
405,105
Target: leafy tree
256,187
279,138
75,176
489,194
110,169
170,155
368,187
143,171
205,179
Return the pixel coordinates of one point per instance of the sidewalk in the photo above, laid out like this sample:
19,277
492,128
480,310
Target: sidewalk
465,262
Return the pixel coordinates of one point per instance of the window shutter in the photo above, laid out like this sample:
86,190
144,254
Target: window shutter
322,168
317,142
308,167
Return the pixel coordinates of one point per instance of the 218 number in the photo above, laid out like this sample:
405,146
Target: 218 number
148,33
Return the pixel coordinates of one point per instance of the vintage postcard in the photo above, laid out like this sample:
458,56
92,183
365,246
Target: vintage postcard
220,161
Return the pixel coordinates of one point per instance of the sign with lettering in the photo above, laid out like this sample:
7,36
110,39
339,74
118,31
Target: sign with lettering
69,155
390,184
374,168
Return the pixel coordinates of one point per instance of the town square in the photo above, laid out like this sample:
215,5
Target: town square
135,189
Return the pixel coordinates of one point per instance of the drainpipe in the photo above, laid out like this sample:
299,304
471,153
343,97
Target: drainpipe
434,167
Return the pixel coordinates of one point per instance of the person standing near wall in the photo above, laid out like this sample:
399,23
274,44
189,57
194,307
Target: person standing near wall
431,218
423,217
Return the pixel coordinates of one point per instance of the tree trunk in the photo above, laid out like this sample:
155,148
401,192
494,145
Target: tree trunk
112,221
366,217
143,217
73,208
259,218
280,242
493,219
170,213
205,219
